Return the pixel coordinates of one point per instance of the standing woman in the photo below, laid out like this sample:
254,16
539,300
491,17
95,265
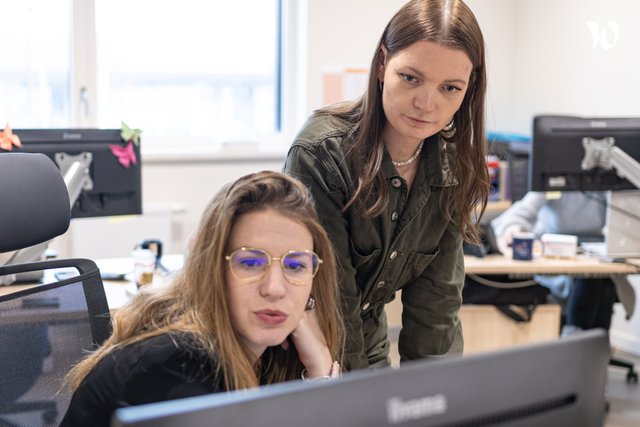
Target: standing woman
396,176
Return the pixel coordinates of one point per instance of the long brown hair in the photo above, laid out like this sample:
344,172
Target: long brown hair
195,302
451,24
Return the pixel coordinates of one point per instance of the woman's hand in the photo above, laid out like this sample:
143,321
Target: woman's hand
507,235
312,347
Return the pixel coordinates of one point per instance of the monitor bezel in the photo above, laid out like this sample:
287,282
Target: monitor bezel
567,375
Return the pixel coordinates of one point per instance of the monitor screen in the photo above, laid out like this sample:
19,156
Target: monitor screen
555,383
560,145
113,187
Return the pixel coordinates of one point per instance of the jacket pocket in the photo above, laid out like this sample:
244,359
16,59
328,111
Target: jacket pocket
416,263
359,260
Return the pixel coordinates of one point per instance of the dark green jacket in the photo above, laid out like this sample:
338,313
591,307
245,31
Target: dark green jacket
410,247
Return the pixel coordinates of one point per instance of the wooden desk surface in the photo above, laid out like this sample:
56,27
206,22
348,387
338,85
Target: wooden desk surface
582,265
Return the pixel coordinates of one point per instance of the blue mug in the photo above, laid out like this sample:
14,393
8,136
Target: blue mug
522,245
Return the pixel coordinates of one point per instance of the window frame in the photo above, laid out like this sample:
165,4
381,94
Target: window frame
291,83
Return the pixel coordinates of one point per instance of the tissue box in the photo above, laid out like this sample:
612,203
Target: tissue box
559,245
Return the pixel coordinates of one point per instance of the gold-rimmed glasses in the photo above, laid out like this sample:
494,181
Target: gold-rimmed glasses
251,264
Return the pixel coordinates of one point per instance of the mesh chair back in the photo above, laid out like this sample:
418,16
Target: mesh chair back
44,331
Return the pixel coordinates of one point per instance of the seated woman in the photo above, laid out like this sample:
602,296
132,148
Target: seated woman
240,314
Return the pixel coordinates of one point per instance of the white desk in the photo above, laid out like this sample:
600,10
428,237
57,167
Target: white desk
118,292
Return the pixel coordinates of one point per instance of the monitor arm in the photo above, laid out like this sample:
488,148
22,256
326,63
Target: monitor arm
75,171
604,153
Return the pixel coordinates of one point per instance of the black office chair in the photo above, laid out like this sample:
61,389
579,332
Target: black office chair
625,293
46,329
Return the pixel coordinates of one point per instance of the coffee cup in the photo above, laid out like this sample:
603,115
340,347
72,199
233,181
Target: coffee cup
144,265
522,245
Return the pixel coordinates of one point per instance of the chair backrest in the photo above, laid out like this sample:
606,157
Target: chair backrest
34,203
44,331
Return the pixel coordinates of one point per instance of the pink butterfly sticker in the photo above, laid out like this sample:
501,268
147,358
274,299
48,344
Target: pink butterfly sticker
125,154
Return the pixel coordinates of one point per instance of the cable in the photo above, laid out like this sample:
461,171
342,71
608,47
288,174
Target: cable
502,285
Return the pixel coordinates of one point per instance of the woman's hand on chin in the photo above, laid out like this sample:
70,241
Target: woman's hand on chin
312,347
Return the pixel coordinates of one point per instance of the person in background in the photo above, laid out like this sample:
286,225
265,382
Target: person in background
256,303
396,175
588,302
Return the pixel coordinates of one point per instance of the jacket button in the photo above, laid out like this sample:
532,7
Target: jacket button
365,306
380,284
396,182
393,255
394,216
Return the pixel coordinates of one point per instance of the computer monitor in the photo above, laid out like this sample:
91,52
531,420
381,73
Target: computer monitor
109,188
593,154
99,184
556,383
568,153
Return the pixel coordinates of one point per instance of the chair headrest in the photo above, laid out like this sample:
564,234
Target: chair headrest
34,202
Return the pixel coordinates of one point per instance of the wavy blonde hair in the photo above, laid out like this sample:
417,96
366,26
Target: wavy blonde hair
196,303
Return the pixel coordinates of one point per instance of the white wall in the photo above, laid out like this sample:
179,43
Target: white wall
559,70
498,24
343,33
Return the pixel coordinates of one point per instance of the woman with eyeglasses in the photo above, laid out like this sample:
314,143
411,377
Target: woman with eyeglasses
397,175
256,303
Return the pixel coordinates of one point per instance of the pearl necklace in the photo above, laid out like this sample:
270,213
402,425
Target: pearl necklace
410,160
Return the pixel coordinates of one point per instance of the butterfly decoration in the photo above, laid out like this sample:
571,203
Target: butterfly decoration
126,155
129,134
8,139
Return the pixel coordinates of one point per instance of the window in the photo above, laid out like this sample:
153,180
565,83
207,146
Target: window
192,74
35,74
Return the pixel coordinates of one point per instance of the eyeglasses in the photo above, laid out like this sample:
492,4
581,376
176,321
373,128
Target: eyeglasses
251,264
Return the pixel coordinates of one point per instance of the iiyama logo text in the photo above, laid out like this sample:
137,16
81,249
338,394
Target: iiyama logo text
67,135
399,411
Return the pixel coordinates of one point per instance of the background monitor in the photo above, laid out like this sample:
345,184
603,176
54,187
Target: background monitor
99,182
556,383
558,152
593,154
113,189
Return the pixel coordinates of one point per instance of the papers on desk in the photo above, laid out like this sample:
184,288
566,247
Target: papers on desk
598,249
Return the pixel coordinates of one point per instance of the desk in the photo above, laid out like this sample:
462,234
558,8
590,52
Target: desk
477,320
581,266
118,292
484,328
